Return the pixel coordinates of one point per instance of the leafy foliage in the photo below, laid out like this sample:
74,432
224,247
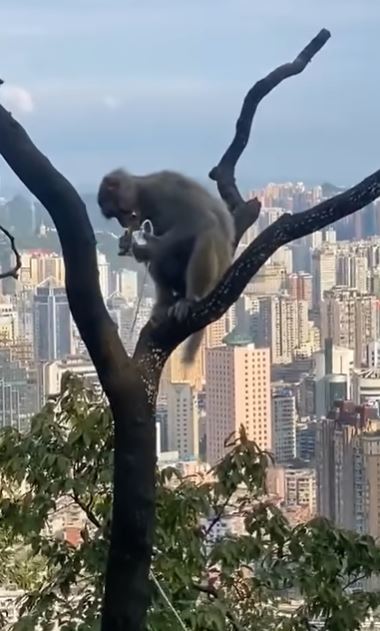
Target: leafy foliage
243,580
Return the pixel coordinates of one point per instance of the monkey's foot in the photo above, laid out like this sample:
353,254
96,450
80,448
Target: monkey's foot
181,309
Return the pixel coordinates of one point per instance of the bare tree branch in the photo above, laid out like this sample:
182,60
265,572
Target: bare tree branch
127,589
86,508
246,213
131,385
12,273
287,228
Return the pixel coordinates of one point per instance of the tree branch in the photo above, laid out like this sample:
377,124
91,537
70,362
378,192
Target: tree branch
12,273
170,333
86,508
127,588
213,594
223,174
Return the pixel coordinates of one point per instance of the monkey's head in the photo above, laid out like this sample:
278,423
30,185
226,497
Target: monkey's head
117,197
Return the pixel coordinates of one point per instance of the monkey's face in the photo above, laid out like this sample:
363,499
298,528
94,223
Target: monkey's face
117,198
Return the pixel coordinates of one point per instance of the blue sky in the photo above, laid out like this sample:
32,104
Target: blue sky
151,84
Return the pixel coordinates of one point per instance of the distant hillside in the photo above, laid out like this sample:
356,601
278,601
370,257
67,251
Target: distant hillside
328,189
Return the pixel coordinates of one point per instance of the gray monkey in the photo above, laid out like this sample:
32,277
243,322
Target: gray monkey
193,241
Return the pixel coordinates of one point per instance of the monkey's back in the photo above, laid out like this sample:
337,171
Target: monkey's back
171,199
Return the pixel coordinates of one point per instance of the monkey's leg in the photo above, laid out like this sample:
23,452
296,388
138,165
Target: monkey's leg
202,273
164,300
210,259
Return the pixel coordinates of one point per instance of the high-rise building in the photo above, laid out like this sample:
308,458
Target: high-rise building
217,331
373,355
8,322
127,284
300,287
324,272
349,469
270,279
183,420
176,371
300,487
366,386
283,257
237,393
306,433
18,392
350,319
352,270
284,419
283,325
52,323
51,373
104,274
37,266
332,375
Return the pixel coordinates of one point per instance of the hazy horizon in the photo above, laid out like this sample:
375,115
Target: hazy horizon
159,85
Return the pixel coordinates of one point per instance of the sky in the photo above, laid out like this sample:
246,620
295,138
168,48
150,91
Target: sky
152,84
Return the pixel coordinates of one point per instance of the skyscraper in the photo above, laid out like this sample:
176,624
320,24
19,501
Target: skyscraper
348,469
237,393
284,416
52,323
352,270
104,275
182,420
324,272
283,325
300,287
18,392
127,284
350,318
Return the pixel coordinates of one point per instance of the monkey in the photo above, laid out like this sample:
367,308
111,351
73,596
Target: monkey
192,243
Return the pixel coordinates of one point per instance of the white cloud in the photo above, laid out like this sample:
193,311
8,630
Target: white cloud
112,102
15,98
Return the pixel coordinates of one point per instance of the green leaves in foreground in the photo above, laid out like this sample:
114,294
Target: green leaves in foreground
241,581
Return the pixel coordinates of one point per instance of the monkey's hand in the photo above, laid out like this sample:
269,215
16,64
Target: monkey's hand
181,309
142,252
145,251
125,244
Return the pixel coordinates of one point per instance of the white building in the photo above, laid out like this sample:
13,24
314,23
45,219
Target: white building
104,274
127,284
300,488
366,386
183,420
50,374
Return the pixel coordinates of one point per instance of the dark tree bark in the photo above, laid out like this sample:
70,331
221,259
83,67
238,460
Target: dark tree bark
131,384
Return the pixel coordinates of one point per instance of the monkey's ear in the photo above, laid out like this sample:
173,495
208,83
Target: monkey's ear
112,182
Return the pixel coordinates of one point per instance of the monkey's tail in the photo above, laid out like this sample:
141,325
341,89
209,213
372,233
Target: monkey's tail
191,347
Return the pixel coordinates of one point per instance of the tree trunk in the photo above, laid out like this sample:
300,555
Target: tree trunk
127,596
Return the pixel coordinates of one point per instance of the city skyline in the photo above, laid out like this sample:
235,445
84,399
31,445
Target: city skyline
123,97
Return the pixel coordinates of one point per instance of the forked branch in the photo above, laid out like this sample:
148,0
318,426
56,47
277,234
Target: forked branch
285,229
163,339
246,213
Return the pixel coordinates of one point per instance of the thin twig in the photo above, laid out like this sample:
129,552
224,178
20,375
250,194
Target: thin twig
218,516
354,581
12,273
86,508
